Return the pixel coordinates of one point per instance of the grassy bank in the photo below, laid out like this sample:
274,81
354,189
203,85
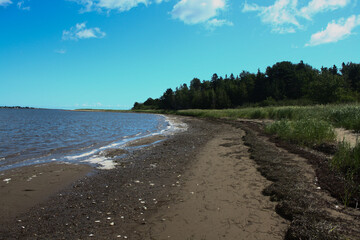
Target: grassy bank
346,116
311,126
308,132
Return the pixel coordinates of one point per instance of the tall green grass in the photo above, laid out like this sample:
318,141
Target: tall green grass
308,132
347,159
346,116
347,162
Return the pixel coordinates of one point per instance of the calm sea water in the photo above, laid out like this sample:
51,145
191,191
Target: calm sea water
32,136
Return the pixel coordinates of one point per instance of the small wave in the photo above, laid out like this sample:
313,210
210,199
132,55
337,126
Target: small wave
2,159
81,155
174,126
95,157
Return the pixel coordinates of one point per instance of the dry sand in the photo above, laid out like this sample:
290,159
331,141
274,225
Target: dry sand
347,136
221,198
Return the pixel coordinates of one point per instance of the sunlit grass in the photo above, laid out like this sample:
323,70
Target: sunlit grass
347,159
346,116
307,132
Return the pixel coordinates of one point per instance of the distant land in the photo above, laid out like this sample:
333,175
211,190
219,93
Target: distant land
16,107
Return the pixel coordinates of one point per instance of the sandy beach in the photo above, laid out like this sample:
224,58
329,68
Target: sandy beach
24,188
208,182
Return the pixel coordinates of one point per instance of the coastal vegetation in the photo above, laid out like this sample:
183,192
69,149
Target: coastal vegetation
307,132
303,105
284,83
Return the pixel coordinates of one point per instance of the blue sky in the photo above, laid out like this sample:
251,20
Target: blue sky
111,53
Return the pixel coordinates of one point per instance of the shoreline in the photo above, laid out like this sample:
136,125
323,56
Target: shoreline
207,182
99,157
26,186
123,202
145,172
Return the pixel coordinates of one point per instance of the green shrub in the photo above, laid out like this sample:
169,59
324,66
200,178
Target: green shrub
347,159
307,132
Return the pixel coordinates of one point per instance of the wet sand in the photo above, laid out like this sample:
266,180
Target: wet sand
23,188
146,141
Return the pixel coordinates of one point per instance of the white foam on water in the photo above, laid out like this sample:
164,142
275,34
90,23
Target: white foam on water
174,126
81,155
102,162
94,157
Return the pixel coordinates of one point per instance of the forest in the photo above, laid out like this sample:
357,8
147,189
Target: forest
284,82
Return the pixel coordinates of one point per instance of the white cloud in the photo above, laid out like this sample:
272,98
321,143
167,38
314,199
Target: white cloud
4,3
81,32
188,11
284,15
214,23
317,6
108,5
21,6
281,16
335,31
197,11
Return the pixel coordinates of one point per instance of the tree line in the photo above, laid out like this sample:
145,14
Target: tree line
283,82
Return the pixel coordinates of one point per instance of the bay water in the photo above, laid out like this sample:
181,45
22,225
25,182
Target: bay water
34,136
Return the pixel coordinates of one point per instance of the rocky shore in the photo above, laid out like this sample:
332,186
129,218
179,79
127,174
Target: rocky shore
113,203
217,180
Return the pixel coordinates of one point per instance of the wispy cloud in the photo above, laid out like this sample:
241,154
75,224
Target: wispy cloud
197,11
108,5
317,6
335,31
200,11
214,23
188,11
81,32
60,51
284,15
21,5
4,3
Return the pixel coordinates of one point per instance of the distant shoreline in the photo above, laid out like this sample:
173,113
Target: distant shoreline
15,107
101,110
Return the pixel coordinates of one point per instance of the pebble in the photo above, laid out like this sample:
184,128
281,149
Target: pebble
7,180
